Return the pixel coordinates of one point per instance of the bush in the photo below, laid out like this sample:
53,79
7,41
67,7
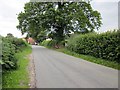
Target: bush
105,45
45,43
52,44
8,55
11,45
19,44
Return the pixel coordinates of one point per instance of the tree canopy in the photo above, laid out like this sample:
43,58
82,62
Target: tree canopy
58,19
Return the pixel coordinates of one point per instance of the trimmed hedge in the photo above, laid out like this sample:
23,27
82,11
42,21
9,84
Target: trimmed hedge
105,45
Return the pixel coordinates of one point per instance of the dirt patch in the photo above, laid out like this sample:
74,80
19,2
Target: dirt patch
31,70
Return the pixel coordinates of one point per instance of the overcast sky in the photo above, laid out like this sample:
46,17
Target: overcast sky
10,8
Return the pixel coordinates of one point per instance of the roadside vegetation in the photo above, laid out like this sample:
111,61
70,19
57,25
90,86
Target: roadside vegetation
105,45
14,62
100,61
98,48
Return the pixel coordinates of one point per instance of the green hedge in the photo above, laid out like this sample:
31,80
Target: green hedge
105,45
10,46
53,44
8,54
19,44
45,43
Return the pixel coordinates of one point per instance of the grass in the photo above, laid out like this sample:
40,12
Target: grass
104,62
18,78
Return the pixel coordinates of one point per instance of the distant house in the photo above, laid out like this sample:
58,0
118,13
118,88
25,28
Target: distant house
31,41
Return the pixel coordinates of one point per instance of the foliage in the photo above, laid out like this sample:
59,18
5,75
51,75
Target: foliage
19,44
8,54
13,57
104,62
52,44
45,43
9,35
10,45
58,19
105,45
18,78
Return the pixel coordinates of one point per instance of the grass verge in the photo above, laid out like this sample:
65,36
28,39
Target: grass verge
104,62
18,78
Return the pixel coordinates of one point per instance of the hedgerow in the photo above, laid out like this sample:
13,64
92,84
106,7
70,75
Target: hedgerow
10,45
45,43
19,44
105,45
52,43
8,54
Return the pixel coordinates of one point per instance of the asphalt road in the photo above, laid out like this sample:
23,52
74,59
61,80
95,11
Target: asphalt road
57,70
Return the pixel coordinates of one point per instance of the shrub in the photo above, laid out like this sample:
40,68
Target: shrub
8,55
45,43
52,43
11,45
19,44
105,45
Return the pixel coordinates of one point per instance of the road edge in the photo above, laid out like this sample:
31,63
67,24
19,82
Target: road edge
32,75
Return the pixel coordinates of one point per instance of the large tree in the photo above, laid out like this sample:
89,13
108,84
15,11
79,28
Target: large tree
58,19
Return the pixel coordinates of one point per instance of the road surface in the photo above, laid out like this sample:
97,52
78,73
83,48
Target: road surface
57,70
